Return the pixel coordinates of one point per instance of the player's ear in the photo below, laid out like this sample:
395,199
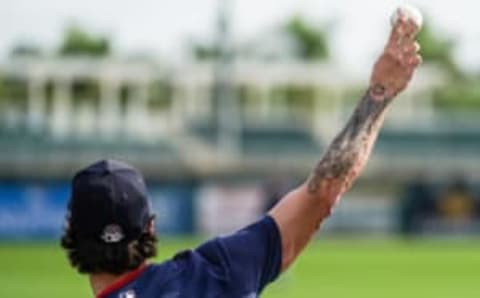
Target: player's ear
151,226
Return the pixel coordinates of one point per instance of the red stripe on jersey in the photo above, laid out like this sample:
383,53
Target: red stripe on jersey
123,281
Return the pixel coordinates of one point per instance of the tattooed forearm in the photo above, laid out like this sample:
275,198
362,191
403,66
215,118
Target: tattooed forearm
349,151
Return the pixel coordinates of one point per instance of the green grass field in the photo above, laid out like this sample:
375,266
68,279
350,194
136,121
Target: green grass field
329,268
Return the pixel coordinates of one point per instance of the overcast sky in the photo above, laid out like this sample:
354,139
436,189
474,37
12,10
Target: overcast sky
163,27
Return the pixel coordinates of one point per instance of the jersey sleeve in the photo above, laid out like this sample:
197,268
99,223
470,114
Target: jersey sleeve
252,256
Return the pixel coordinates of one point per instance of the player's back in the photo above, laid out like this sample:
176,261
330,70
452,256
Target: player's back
237,266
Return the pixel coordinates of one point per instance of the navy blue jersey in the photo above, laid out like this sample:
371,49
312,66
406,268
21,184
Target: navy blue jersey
235,266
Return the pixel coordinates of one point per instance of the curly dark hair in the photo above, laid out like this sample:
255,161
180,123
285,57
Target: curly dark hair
93,256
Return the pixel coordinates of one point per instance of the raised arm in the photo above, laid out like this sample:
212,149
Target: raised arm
300,213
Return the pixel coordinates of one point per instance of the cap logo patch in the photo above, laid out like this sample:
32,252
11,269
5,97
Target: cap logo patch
112,234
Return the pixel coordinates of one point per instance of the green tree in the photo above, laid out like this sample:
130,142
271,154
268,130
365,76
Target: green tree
461,96
438,49
78,41
461,93
311,41
204,51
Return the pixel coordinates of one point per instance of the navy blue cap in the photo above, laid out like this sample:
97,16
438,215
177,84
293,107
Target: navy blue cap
109,202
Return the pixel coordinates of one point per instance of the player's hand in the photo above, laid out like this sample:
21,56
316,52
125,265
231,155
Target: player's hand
396,66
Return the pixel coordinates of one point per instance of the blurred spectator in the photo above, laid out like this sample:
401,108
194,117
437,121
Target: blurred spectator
457,203
417,206
450,209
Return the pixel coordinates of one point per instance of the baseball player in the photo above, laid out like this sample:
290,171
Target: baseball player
110,227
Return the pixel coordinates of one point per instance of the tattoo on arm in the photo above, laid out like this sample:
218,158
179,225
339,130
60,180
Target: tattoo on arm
349,151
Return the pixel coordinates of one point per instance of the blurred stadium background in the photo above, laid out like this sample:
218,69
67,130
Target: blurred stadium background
230,119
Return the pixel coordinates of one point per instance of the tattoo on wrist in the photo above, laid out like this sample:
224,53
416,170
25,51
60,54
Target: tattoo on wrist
378,90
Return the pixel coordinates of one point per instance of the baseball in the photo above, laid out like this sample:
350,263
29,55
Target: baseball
410,12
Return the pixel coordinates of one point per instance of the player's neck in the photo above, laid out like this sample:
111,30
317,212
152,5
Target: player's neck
101,281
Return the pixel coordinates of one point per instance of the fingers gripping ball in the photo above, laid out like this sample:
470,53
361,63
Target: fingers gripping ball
409,13
395,68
